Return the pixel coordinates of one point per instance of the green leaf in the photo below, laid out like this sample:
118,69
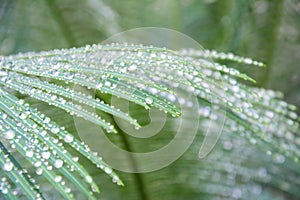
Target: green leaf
152,78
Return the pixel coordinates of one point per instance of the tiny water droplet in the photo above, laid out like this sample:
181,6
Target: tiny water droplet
253,141
149,100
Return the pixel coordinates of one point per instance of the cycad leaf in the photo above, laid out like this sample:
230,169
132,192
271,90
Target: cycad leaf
150,77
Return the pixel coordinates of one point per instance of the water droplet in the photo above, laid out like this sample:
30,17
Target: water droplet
38,164
57,179
29,153
4,190
248,61
235,88
7,166
68,190
9,134
3,73
88,179
58,163
139,54
39,171
253,141
23,116
54,130
107,83
69,138
278,158
46,120
237,193
132,68
99,85
269,114
46,155
43,133
227,145
262,172
149,100
94,189
53,97
75,159
171,97
115,179
108,170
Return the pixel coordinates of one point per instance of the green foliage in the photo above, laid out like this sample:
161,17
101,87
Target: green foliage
257,154
146,76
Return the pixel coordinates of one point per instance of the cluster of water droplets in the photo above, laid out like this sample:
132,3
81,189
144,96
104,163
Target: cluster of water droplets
212,54
140,74
40,141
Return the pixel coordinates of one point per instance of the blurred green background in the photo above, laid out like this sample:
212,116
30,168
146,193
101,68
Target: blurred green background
265,30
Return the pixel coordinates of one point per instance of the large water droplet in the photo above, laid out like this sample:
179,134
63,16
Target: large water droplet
57,179
39,171
58,163
88,179
108,170
7,166
69,138
38,164
9,134
23,116
54,130
46,155
29,153
46,120
149,100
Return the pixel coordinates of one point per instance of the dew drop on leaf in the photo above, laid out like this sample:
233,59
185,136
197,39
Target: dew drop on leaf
46,155
7,166
29,153
46,120
75,159
69,138
57,179
108,170
88,179
149,100
37,164
39,171
58,163
9,134
54,130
